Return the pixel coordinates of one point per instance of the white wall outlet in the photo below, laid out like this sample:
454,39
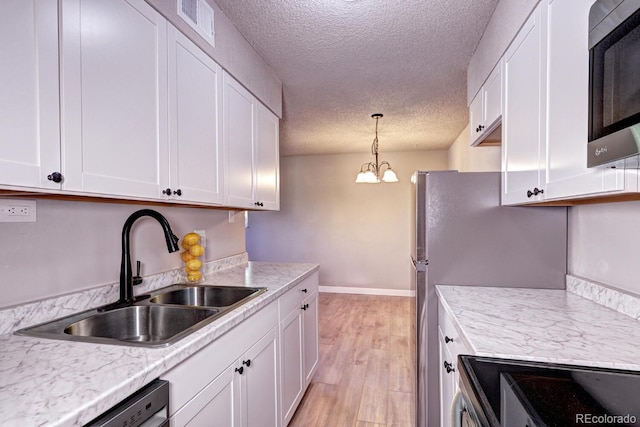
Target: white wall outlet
17,210
203,237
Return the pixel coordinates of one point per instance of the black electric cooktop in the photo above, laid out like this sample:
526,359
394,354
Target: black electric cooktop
506,393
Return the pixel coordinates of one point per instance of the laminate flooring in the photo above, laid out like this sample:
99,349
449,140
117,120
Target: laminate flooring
366,372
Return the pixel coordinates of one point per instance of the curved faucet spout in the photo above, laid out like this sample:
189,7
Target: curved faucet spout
126,275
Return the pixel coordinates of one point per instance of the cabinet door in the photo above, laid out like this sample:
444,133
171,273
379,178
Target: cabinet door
114,96
195,119
259,383
29,102
492,99
218,404
291,362
267,188
523,147
475,118
238,135
567,105
447,382
310,336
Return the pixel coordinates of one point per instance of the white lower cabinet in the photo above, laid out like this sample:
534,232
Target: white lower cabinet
255,374
233,381
450,347
299,342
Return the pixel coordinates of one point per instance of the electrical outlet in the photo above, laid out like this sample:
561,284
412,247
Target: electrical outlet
17,210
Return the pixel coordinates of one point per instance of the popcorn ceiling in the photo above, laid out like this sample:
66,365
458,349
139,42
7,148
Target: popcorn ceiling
341,61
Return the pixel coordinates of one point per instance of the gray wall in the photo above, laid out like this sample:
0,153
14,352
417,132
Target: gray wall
77,245
358,233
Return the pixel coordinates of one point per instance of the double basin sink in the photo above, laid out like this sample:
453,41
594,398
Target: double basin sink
155,320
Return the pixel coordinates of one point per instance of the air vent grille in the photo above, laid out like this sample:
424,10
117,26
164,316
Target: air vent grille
199,15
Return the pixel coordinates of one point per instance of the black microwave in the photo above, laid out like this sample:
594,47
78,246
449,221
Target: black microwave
614,84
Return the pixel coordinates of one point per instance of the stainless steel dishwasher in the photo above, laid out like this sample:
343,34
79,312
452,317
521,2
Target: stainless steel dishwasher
148,407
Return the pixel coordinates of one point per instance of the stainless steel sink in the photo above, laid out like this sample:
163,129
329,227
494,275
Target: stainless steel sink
147,324
158,320
207,296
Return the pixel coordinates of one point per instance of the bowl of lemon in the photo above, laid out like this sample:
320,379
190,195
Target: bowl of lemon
192,256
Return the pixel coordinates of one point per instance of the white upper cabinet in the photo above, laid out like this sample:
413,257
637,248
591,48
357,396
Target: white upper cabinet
239,112
195,123
250,135
114,97
485,111
267,177
567,107
29,101
523,127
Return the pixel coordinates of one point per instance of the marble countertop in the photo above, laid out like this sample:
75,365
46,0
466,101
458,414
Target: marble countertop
542,325
64,383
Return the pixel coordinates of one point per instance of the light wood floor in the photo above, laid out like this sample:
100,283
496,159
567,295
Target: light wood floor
366,374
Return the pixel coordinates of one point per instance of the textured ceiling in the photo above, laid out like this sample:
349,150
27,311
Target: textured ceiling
341,61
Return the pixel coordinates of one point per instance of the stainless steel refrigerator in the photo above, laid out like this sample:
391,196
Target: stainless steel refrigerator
462,236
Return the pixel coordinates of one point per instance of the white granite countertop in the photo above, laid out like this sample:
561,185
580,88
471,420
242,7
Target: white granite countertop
542,325
64,383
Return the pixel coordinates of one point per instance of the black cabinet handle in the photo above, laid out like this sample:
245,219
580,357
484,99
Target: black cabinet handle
240,370
247,362
535,192
304,307
304,290
167,191
447,340
449,367
481,127
55,177
178,192
259,204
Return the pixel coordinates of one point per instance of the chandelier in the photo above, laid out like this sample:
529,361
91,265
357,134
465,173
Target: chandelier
370,172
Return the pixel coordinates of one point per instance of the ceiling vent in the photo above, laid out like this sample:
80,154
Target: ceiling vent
199,15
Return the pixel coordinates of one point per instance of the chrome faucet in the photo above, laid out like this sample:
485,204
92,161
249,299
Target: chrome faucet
126,275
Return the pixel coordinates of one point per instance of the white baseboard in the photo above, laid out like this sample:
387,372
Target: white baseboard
367,291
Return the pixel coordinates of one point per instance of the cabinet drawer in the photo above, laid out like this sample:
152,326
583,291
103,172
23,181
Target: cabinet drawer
292,299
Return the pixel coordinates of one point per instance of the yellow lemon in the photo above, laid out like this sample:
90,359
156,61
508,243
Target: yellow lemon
191,239
186,256
196,250
194,264
194,276
185,245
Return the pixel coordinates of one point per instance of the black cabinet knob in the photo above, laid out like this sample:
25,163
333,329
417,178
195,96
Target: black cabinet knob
259,204
167,191
178,192
240,370
304,290
55,177
535,192
481,127
449,367
247,362
447,340
304,307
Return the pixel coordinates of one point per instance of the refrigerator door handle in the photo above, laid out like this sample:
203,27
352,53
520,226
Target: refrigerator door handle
419,265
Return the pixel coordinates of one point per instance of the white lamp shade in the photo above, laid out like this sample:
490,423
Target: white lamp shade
389,176
361,178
